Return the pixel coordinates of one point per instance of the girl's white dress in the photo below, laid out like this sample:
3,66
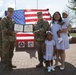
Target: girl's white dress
49,50
67,21
65,43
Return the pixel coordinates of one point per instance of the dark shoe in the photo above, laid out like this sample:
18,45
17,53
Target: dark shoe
62,67
39,65
12,66
1,61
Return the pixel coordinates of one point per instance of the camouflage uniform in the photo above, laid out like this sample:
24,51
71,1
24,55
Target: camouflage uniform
8,40
40,35
0,41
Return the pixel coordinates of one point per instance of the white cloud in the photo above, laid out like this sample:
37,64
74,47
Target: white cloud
11,5
1,13
53,5
1,3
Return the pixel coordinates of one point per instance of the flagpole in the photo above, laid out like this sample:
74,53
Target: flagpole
37,4
15,4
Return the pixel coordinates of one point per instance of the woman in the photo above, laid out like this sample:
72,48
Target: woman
60,47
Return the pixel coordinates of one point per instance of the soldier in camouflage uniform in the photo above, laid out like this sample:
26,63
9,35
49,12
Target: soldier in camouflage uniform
8,39
0,41
40,34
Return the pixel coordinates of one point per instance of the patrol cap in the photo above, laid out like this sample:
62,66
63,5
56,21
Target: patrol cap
39,13
10,9
66,12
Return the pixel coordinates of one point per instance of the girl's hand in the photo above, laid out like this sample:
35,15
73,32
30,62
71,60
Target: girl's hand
58,32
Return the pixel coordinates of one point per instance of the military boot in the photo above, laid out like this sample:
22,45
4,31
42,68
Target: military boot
39,65
12,66
8,69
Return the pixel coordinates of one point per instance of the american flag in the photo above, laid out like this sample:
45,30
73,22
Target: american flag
29,16
24,36
21,38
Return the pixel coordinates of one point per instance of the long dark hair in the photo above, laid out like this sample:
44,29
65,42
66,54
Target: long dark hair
54,19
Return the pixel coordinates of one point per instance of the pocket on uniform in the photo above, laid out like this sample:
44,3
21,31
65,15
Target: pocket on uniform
11,38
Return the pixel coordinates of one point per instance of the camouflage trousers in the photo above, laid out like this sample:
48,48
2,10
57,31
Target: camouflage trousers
0,47
41,50
7,53
0,50
0,44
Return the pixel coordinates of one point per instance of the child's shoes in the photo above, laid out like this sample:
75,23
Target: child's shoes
52,68
49,69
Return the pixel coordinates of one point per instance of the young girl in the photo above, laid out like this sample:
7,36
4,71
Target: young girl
64,24
49,53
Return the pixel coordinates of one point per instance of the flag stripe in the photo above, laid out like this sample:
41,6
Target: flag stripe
37,10
25,38
20,35
32,15
35,17
35,20
31,22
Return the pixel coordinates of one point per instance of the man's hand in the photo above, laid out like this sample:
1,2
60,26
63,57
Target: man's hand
36,31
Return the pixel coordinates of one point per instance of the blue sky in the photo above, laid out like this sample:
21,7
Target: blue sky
53,5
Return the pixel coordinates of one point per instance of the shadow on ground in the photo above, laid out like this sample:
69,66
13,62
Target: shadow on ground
31,52
69,70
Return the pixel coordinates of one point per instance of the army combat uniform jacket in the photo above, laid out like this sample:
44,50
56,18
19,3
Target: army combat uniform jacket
7,28
40,30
